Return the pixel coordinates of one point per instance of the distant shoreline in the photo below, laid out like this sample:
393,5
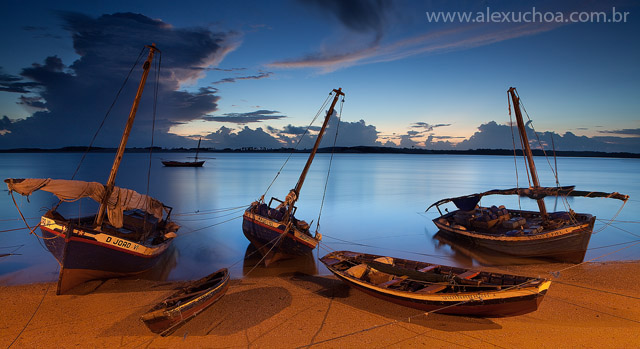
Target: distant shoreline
350,150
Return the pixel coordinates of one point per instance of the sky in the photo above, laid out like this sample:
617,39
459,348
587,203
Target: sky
255,73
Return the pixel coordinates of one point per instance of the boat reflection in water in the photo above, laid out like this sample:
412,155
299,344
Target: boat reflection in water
466,253
254,266
167,263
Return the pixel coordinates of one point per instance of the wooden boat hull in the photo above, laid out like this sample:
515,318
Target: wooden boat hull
567,244
272,238
85,254
165,318
499,301
183,163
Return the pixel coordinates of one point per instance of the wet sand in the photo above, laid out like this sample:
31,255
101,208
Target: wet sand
591,305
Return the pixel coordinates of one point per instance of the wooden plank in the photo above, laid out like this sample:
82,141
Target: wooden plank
392,282
469,275
429,268
432,289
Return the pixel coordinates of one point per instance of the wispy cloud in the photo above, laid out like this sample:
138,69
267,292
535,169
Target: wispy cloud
445,40
245,118
427,127
626,132
250,77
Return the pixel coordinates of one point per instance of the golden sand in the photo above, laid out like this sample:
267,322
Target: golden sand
594,305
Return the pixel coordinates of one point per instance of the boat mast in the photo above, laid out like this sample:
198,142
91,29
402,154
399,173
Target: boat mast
527,150
125,136
296,191
197,150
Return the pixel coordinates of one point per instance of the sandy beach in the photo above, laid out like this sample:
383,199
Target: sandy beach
593,305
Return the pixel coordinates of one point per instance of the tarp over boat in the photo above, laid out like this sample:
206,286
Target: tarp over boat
468,202
71,190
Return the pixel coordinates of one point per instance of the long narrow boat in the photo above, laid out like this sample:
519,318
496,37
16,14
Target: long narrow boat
195,163
438,288
275,231
185,304
136,234
557,236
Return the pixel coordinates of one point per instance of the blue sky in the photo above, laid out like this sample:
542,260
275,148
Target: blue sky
254,73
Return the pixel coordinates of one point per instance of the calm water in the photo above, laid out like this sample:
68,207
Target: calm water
374,203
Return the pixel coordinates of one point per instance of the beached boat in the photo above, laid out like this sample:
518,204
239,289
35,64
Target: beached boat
133,238
195,163
275,231
438,288
559,236
185,304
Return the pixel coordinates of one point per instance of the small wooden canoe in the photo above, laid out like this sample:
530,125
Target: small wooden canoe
438,288
185,304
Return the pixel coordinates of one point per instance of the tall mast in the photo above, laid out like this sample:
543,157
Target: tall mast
338,93
527,150
125,137
198,149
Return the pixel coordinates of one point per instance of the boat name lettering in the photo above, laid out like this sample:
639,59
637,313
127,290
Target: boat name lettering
119,242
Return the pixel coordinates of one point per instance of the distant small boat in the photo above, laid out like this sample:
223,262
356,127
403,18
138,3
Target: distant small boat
558,236
185,304
196,163
275,232
438,288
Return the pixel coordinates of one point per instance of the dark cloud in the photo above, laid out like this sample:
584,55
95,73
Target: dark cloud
16,84
245,118
77,96
358,15
250,77
427,127
626,132
297,130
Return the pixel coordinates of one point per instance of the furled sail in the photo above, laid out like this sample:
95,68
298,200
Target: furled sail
121,199
468,202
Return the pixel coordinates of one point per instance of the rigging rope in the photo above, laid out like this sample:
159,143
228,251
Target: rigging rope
297,144
107,114
333,149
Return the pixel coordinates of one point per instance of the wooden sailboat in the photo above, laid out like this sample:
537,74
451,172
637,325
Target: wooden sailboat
558,236
188,302
195,163
133,238
275,232
438,288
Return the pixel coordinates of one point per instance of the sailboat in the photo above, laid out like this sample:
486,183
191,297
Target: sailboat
558,236
275,231
196,163
136,233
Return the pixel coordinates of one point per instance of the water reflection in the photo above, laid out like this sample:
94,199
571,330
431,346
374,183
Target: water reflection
254,267
465,253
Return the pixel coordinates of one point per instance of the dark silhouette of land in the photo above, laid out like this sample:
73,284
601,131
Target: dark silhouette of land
352,150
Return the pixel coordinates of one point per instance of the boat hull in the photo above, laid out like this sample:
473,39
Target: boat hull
273,239
183,163
567,244
494,300
164,319
512,306
85,254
